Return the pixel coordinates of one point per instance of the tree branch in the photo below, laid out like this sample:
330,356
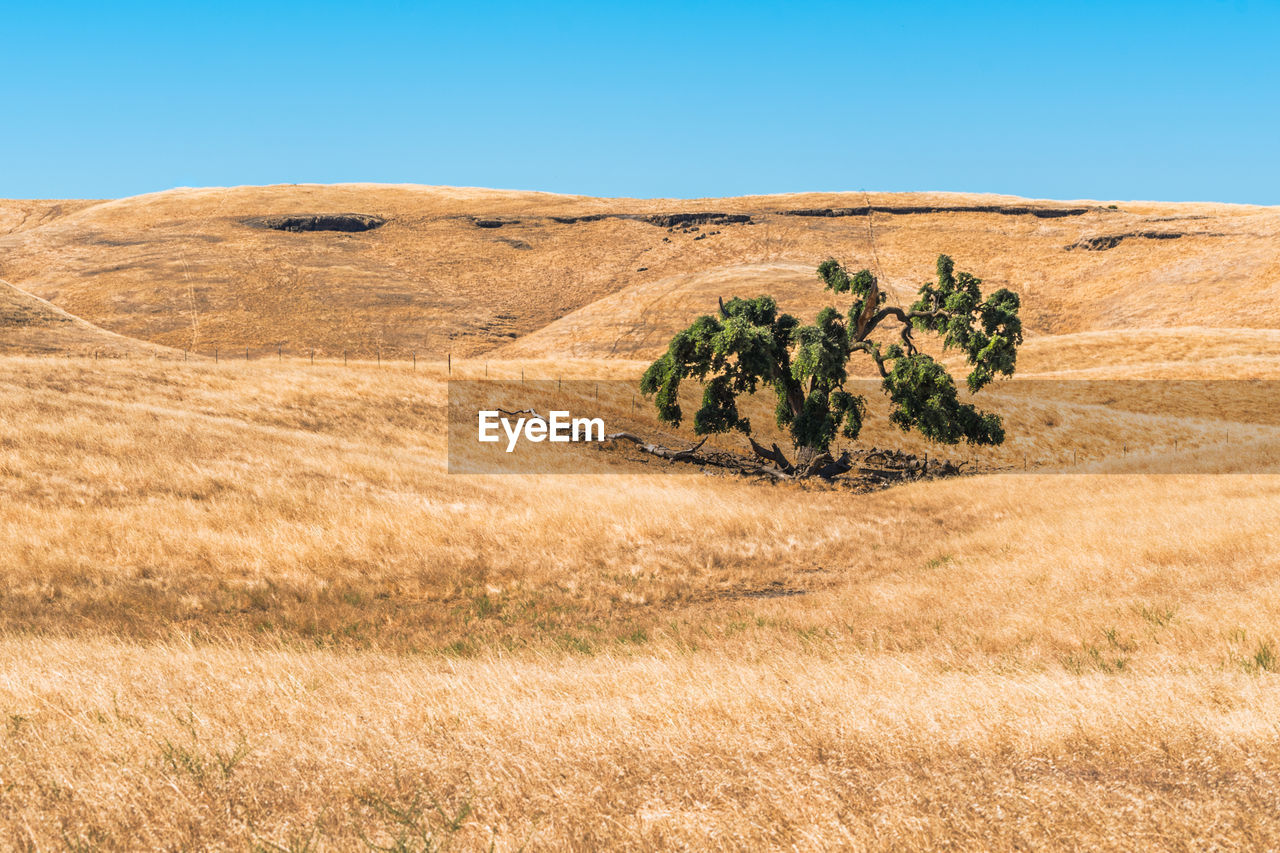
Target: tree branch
905,334
904,317
874,351
872,299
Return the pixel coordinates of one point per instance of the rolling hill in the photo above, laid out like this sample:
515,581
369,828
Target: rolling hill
31,326
404,269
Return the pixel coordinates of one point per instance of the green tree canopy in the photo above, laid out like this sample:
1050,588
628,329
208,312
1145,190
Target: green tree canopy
749,344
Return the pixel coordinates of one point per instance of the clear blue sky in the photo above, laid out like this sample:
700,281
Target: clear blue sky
1169,101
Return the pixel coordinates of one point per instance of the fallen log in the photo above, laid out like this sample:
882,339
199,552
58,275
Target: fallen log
880,466
533,412
827,468
656,449
886,473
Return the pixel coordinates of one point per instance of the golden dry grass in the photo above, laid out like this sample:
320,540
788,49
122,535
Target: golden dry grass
31,326
112,745
245,606
183,269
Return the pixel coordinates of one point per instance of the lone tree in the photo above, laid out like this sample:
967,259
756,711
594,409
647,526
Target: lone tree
749,343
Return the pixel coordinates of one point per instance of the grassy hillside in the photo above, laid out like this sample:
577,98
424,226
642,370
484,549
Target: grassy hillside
470,271
31,326
22,214
246,604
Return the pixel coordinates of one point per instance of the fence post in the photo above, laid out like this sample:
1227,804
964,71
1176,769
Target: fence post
280,352
246,353
415,361
448,360
313,356
215,355
344,358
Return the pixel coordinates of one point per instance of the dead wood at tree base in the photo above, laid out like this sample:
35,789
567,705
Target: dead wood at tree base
728,461
828,468
897,465
773,454
656,449
873,467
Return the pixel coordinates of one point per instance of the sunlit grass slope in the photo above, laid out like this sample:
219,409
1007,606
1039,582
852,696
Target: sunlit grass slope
245,604
469,270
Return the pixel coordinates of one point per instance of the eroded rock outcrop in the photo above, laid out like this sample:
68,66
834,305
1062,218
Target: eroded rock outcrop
346,222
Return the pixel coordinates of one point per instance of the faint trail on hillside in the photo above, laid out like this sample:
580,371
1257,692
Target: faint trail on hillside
875,255
191,298
186,273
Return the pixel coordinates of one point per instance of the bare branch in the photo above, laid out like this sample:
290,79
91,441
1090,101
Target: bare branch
905,334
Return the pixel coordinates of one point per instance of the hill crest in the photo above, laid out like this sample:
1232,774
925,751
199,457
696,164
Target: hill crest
471,271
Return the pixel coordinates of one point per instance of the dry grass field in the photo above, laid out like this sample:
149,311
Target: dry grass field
469,270
246,607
